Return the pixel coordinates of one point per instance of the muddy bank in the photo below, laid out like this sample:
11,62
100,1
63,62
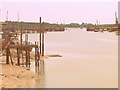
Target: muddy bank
16,76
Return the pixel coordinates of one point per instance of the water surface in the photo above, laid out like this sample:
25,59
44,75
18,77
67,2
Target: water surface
89,60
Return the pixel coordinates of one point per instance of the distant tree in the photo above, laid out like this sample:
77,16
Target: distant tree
82,23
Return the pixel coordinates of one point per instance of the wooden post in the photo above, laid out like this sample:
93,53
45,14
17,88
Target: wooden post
21,40
22,58
7,55
26,56
38,55
26,42
21,35
26,59
43,39
26,38
29,57
40,36
18,55
7,49
35,55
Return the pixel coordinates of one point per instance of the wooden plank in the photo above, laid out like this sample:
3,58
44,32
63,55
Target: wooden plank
22,46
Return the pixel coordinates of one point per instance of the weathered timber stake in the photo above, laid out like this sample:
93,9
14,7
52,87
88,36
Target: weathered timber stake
35,55
29,57
21,40
7,55
38,55
18,56
43,29
40,35
26,55
21,35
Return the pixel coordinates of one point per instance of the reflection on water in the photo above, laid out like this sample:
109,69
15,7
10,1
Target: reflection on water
39,81
40,69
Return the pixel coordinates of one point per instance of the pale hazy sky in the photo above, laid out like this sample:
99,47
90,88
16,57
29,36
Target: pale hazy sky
62,12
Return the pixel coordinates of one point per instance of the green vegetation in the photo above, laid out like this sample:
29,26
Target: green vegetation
48,25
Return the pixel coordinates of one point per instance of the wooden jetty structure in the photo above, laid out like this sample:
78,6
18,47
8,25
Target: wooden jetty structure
105,27
23,50
8,45
30,27
110,28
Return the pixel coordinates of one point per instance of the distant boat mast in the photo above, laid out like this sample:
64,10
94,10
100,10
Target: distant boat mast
116,18
7,16
18,22
0,16
97,22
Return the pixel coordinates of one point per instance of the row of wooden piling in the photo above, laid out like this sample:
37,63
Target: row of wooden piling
20,48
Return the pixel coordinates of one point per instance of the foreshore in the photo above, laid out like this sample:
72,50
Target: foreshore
16,76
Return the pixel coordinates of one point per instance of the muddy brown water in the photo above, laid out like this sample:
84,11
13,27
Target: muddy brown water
89,60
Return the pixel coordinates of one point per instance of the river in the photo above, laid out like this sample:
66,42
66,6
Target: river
89,60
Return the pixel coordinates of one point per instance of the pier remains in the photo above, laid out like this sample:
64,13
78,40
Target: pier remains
11,31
